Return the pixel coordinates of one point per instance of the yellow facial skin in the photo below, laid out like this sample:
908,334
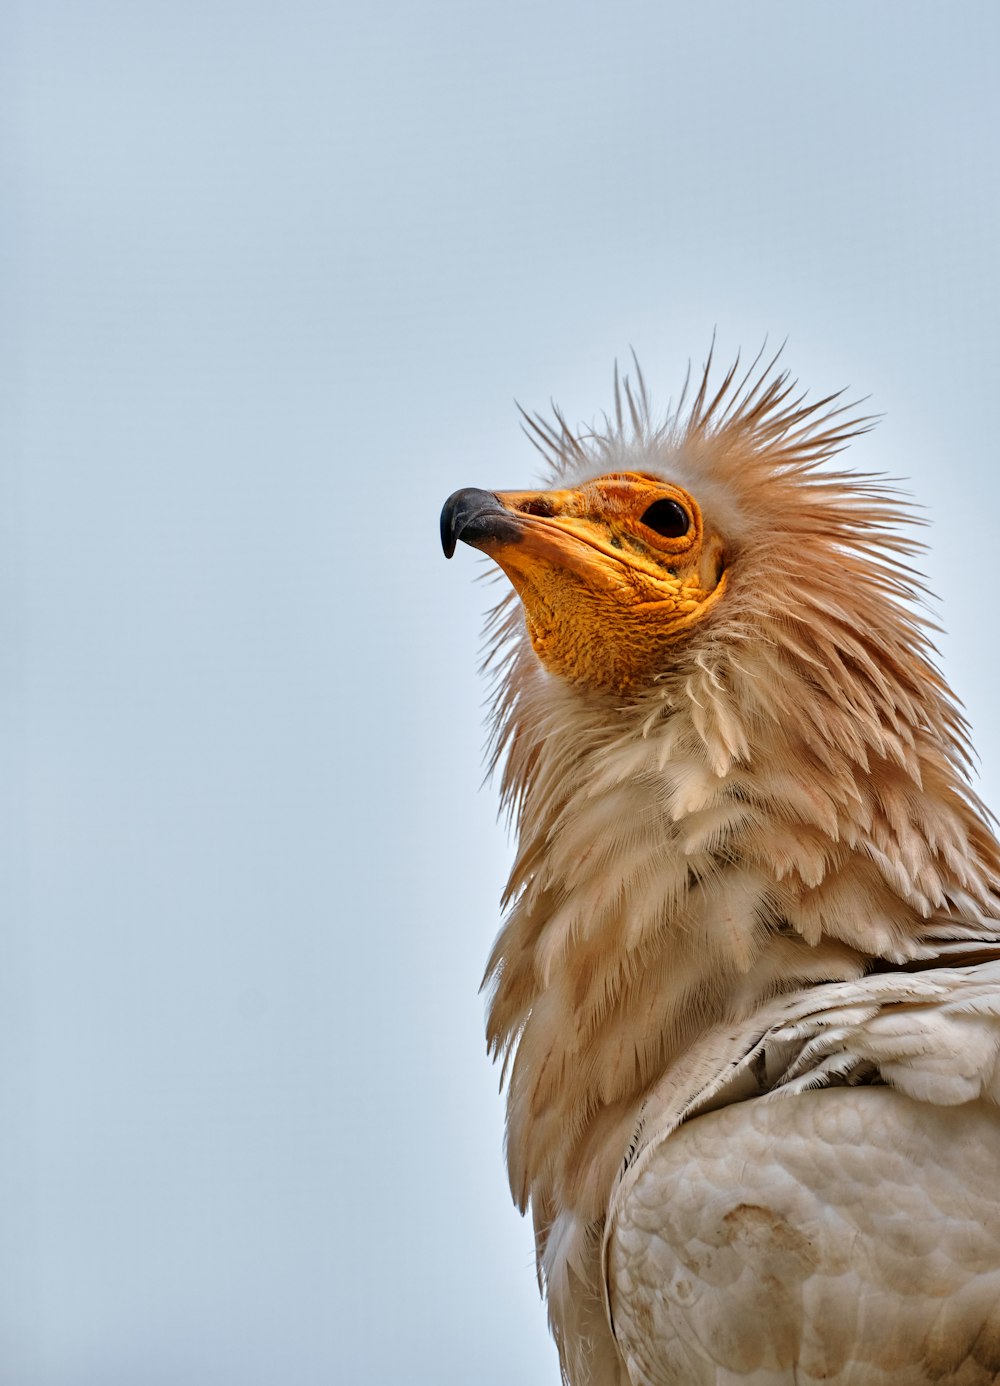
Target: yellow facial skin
605,596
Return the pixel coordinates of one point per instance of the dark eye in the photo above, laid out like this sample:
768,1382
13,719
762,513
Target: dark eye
667,517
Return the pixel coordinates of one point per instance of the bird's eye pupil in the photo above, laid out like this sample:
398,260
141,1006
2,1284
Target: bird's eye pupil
668,518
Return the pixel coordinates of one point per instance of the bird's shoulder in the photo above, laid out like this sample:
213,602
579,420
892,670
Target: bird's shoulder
813,1196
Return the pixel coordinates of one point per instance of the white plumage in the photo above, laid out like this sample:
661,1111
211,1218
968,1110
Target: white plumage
747,993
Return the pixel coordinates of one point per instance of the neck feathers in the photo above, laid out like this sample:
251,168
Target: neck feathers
786,806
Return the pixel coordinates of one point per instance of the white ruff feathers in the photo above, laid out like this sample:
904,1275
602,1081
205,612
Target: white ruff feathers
763,874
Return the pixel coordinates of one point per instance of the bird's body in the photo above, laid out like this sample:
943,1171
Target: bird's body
747,993
858,1244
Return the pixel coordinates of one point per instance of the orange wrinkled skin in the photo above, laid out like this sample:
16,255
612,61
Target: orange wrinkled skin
604,596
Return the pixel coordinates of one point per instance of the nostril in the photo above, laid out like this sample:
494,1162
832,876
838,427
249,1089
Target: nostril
537,505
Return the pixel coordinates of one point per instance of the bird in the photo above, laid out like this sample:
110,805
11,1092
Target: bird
746,990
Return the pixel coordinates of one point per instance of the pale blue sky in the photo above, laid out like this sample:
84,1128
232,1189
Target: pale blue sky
274,275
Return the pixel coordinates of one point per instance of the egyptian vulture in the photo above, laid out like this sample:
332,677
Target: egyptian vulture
746,994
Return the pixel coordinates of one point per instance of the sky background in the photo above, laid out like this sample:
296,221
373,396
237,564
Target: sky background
272,277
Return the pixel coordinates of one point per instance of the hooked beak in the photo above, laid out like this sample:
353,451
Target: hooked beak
476,517
520,531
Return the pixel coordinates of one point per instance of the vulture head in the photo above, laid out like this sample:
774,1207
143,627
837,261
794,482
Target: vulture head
610,573
733,766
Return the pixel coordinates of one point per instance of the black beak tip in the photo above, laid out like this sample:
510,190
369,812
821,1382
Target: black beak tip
448,539
470,513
